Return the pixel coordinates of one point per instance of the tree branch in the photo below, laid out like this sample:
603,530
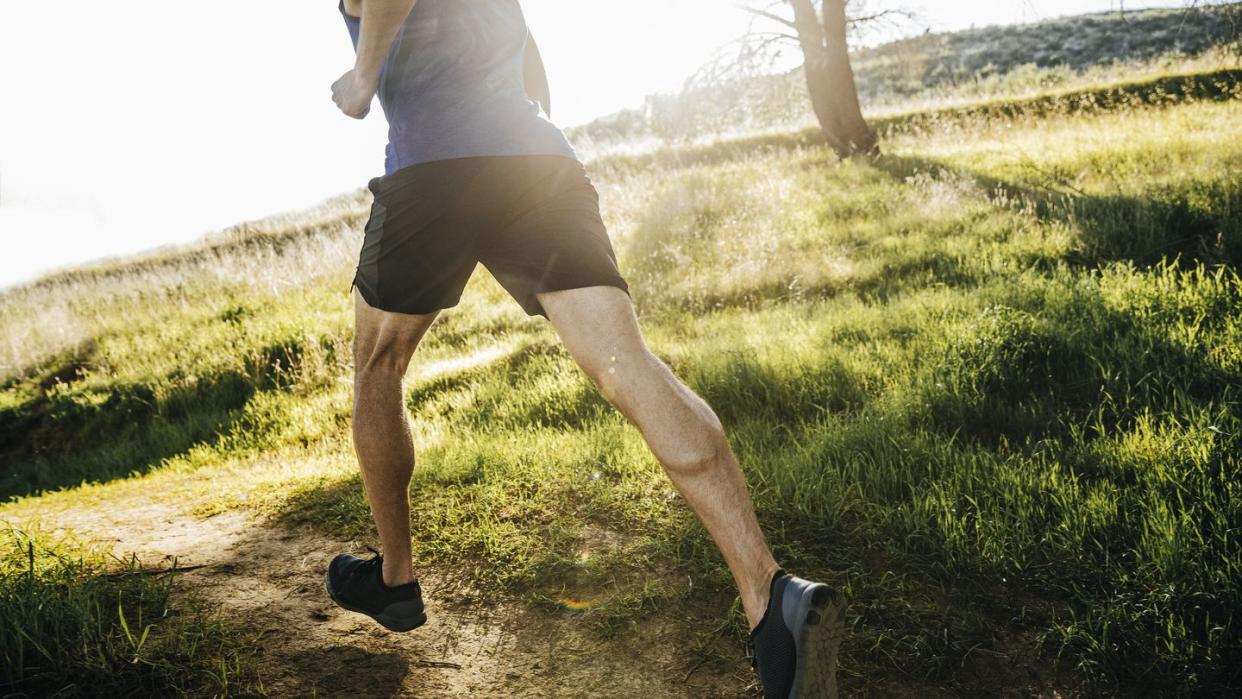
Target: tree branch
883,14
768,15
774,35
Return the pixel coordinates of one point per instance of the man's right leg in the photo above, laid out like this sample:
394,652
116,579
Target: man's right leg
383,345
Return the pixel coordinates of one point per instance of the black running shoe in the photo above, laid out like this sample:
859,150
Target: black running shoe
358,586
795,644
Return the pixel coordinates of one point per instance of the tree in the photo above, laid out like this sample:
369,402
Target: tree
821,30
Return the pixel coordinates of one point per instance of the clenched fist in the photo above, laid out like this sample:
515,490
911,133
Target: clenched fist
353,93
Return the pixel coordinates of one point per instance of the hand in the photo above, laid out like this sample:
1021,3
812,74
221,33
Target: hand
353,93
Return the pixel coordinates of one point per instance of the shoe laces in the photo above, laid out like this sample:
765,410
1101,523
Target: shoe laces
376,561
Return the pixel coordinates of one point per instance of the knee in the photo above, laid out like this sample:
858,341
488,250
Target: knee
380,361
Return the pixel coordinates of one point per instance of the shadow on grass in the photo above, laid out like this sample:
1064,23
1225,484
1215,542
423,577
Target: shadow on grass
68,428
485,397
1024,371
1196,222
58,440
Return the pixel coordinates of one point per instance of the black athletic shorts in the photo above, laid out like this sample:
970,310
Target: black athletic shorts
532,220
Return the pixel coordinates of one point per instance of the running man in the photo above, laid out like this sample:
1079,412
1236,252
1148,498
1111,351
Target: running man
476,173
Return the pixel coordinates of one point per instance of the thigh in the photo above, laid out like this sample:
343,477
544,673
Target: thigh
597,325
601,332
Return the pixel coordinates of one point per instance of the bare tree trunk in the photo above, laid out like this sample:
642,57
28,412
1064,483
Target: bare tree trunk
830,78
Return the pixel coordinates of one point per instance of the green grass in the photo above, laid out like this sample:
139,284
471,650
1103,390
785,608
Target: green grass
72,624
988,385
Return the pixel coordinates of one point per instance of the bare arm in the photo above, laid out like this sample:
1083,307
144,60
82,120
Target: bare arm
381,20
536,78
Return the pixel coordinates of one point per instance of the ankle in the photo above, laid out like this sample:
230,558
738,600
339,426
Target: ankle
397,575
755,600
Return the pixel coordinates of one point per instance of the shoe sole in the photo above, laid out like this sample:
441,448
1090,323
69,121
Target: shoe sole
388,621
818,626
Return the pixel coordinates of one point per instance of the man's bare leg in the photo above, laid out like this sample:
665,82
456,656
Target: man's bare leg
600,330
383,345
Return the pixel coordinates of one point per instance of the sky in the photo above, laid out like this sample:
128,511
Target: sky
128,126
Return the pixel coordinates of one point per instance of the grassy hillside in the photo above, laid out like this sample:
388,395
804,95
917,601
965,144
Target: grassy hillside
1078,42
988,385
950,68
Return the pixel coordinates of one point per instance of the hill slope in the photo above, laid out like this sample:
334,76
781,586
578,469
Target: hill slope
989,386
1078,42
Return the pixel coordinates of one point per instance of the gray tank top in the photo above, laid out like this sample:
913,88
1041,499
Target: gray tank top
452,85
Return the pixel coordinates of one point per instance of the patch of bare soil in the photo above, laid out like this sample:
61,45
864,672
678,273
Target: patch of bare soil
271,577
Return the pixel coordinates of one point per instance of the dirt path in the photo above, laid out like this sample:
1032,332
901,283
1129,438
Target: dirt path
273,576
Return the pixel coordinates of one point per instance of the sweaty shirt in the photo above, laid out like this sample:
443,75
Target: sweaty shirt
452,85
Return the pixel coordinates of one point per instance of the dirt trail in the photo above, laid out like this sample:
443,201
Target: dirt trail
273,576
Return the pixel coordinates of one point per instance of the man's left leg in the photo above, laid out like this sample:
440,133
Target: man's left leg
599,328
796,625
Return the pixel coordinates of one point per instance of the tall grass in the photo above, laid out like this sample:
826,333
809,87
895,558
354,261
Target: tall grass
72,625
